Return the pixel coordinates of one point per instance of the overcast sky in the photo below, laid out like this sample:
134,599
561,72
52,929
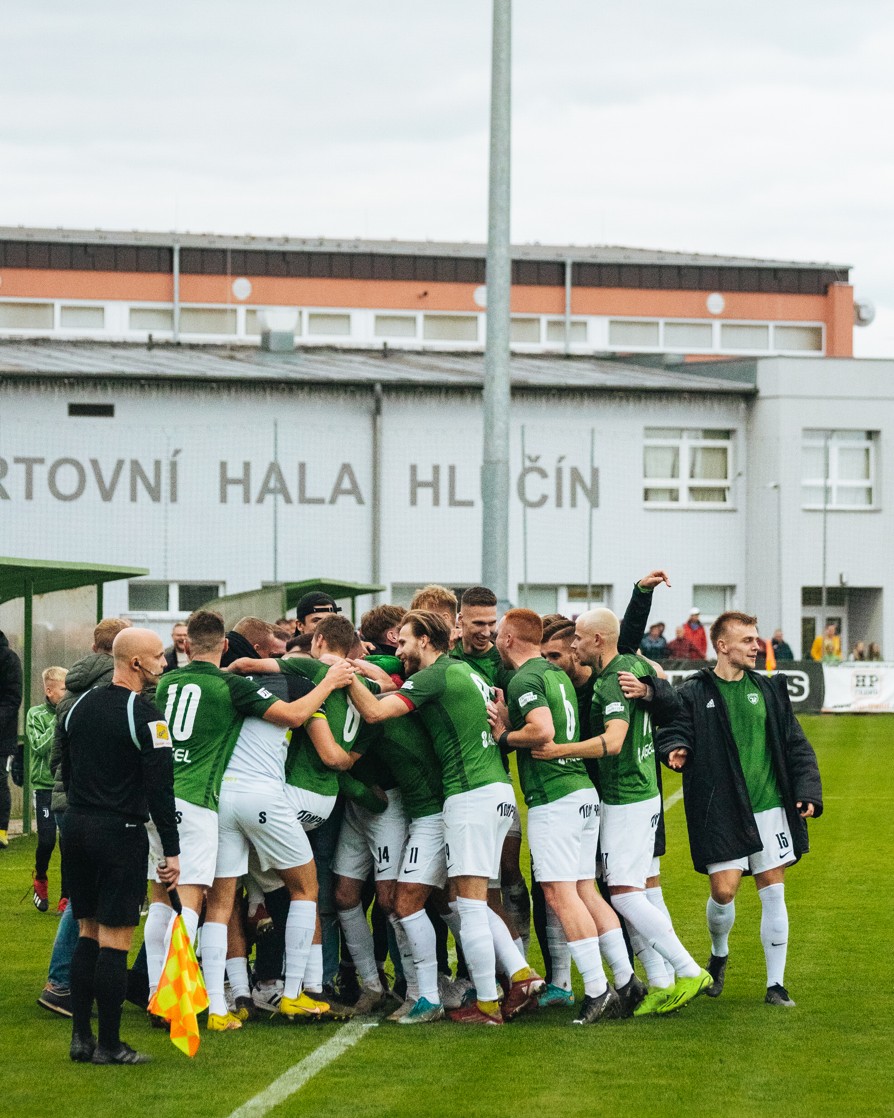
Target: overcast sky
764,129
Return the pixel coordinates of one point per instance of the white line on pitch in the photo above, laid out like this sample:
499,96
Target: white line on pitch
297,1075
673,798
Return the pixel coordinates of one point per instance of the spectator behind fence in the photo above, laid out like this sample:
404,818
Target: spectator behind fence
10,701
653,645
875,652
780,648
682,648
697,634
826,647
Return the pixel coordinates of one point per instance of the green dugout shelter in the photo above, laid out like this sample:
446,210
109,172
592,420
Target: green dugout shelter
274,599
28,578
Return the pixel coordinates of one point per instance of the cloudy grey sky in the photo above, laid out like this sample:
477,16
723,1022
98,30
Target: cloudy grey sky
762,129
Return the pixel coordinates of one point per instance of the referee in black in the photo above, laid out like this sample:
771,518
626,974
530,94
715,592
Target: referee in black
117,769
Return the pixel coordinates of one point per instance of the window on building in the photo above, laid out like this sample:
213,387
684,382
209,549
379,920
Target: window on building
541,599
26,316
798,339
689,335
712,600
207,320
687,466
151,318
555,332
525,330
633,333
329,324
450,327
395,326
146,596
82,318
846,462
813,596
739,335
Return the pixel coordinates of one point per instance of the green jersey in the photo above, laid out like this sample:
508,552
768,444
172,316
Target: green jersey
629,777
304,768
409,751
204,709
452,703
535,684
488,664
747,712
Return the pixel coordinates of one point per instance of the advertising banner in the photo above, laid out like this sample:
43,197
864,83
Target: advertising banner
805,680
859,687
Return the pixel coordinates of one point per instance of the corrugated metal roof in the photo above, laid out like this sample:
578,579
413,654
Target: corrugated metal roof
597,254
350,367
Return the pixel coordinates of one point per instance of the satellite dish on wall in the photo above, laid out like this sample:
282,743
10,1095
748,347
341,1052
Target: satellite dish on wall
864,312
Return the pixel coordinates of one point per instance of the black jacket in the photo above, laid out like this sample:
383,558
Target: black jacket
10,697
89,671
718,809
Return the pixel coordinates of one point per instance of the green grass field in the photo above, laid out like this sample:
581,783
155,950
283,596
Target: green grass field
832,1055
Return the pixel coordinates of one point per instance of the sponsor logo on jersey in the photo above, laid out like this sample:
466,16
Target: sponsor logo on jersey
264,693
644,751
528,697
182,755
161,738
614,708
408,686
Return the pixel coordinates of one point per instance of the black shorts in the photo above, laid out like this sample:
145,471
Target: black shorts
105,862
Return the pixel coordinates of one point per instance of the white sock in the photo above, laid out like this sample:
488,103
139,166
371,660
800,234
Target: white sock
517,901
588,961
478,947
405,947
559,954
214,964
299,932
655,966
509,959
614,951
721,918
657,931
655,897
774,931
420,934
359,939
452,919
157,921
237,976
313,972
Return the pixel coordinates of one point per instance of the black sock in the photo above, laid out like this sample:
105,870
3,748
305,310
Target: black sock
111,986
83,970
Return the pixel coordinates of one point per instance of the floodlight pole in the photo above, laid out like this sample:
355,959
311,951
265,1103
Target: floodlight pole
497,402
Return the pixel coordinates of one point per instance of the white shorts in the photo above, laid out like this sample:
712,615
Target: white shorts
564,837
263,818
311,809
475,825
425,858
655,867
628,841
371,843
515,826
197,827
778,849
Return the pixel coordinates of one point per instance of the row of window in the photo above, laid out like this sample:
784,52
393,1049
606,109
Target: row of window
690,466
235,322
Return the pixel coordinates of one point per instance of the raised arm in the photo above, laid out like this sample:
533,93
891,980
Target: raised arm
633,624
298,711
377,709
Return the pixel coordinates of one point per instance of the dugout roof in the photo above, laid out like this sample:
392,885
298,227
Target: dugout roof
274,600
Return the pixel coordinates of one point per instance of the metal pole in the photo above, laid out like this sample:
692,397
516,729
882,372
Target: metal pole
567,307
590,526
176,271
276,505
376,532
26,697
99,602
825,527
497,398
524,593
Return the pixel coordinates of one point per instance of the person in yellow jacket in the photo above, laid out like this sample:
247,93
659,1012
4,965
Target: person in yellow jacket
826,647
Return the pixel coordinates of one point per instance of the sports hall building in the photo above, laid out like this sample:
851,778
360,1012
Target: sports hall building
233,411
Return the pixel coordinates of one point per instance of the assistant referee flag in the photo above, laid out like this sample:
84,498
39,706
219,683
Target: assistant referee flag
181,991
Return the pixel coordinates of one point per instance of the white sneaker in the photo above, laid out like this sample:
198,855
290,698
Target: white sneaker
268,996
452,997
402,1010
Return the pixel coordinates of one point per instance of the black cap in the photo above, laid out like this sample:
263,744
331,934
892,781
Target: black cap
315,602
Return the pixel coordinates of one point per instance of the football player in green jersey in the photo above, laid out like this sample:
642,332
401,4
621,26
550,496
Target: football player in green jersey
563,816
477,623
631,805
205,708
452,702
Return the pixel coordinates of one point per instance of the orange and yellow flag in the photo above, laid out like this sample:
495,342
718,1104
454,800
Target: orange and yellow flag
181,991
